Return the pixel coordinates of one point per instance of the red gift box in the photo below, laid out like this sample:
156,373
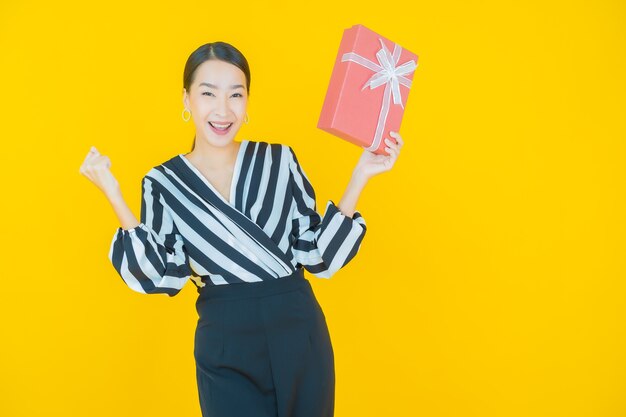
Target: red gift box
368,89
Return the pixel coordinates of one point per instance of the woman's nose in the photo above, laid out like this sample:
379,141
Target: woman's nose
221,107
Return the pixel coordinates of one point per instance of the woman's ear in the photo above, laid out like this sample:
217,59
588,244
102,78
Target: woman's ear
185,98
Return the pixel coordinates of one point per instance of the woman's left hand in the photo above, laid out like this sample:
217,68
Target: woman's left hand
371,164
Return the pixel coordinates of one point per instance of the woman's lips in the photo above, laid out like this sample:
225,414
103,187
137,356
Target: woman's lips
220,128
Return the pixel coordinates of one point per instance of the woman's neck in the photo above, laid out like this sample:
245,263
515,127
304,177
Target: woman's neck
214,157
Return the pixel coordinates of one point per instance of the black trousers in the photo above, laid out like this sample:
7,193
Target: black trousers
263,349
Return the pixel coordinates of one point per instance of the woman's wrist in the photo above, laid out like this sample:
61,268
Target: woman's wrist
115,196
359,178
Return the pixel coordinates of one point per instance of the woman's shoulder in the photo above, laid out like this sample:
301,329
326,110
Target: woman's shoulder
157,172
167,163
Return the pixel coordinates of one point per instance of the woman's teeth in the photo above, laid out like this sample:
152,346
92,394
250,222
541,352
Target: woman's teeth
220,126
220,129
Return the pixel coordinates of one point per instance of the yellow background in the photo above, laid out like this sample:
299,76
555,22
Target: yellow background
491,280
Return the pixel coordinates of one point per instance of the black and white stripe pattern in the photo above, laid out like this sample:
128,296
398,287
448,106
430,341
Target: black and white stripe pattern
269,227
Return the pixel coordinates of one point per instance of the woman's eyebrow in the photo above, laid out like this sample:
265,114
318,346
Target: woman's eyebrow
214,86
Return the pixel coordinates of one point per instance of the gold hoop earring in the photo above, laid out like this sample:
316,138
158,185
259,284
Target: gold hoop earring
187,119
247,119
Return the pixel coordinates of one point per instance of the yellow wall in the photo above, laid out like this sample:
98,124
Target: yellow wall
491,280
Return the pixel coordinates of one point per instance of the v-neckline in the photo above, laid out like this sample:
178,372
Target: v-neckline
233,180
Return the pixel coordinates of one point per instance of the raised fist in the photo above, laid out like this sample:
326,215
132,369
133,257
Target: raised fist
96,167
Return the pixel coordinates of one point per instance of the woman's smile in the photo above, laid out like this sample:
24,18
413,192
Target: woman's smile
220,129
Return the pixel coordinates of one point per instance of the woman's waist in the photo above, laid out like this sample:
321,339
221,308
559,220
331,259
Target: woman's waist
253,289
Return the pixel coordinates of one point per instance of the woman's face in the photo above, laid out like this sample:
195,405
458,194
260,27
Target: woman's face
217,99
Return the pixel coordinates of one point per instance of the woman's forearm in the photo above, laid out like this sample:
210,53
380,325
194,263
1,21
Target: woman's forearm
369,165
347,204
123,212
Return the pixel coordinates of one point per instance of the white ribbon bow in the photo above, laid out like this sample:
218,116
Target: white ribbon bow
385,73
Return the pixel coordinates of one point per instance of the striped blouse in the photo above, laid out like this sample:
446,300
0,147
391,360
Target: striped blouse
267,229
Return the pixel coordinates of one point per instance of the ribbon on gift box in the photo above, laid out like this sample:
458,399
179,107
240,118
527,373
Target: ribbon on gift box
388,74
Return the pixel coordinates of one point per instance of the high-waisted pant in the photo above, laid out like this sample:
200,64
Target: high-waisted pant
263,349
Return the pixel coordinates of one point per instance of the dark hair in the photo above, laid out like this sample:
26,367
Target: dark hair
215,50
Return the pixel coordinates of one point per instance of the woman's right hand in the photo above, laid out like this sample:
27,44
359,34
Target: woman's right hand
96,168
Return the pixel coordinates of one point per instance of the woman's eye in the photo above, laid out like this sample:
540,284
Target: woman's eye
237,94
206,93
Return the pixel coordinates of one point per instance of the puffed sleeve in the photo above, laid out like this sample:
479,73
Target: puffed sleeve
151,257
322,245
